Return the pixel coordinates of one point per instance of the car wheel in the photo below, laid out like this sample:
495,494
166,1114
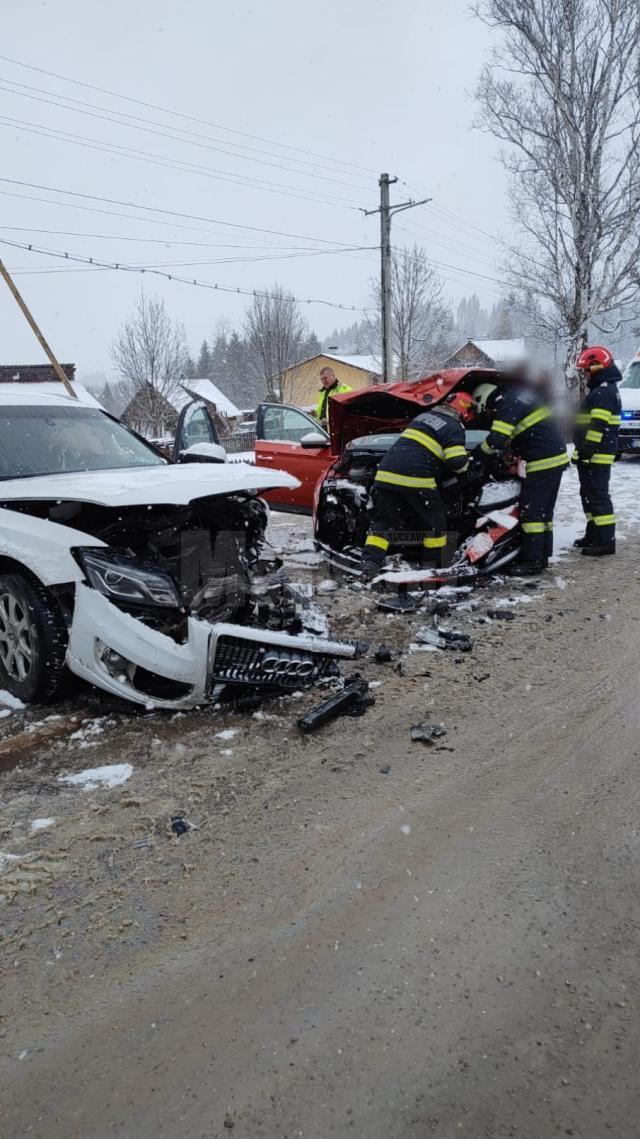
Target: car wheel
33,640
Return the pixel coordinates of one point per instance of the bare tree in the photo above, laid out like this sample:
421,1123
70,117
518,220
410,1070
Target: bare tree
150,356
563,93
276,335
423,323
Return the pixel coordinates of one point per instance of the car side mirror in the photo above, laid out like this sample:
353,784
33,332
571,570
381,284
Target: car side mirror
203,453
314,439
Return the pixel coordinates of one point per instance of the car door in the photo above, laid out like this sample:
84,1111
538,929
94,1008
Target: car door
195,425
280,429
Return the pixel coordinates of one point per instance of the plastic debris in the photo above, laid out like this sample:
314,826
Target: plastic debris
427,733
180,825
352,701
444,639
382,655
500,615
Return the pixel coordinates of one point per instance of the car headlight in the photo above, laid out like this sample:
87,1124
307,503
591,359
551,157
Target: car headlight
127,580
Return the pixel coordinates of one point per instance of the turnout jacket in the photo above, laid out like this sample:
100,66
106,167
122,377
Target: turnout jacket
429,449
598,420
524,423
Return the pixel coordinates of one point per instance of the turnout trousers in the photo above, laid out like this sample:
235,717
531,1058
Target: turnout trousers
406,518
537,504
596,502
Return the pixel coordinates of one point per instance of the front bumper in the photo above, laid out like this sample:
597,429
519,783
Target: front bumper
161,673
629,437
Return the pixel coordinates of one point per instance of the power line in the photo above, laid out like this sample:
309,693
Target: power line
93,261
188,118
131,121
229,260
167,213
171,164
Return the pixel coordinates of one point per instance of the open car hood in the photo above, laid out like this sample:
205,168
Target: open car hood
175,485
390,407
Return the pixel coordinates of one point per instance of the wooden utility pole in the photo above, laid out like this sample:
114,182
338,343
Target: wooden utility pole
59,371
386,212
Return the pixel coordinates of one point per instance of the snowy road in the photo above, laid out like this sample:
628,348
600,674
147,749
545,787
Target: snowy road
356,935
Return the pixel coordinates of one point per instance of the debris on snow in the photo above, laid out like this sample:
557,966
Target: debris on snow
111,775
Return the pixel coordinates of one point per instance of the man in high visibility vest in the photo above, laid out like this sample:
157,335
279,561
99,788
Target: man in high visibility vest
522,423
407,502
329,386
596,443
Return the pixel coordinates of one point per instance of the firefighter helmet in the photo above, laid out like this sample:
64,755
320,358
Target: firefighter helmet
462,403
594,359
483,396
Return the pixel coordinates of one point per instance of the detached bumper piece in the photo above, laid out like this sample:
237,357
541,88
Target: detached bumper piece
268,659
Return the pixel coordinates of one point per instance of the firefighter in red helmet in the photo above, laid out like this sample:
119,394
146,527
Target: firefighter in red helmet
406,496
596,446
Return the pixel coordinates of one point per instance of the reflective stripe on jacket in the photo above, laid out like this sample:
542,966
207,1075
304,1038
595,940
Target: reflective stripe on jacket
598,420
430,448
524,424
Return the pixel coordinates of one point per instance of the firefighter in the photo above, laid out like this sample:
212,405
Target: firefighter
522,422
596,446
406,496
329,386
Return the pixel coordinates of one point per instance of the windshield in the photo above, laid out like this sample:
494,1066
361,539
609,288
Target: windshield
632,376
57,440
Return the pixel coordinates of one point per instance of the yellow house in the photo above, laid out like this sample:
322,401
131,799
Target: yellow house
300,383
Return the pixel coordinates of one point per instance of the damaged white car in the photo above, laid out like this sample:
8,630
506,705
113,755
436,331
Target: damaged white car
139,574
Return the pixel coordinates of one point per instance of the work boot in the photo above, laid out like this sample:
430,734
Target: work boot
599,549
583,542
525,569
370,569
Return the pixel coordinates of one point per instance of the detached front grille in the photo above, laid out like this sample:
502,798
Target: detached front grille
250,662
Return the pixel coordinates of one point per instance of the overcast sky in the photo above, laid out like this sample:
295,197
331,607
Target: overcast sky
368,85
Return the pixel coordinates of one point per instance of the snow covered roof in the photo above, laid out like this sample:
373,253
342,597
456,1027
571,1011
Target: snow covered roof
367,363
502,351
207,390
32,393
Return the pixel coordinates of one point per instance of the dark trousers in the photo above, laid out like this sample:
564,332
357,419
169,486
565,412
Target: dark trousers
406,518
537,504
596,502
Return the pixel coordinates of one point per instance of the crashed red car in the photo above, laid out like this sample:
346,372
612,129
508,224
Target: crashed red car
290,440
337,471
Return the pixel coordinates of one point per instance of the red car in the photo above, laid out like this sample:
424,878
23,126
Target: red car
291,440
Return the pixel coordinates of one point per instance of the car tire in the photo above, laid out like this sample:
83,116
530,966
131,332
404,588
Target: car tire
33,640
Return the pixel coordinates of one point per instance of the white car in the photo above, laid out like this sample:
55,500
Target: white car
629,437
139,574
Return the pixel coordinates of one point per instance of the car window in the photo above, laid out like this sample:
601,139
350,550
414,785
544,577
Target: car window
287,424
54,440
197,429
632,376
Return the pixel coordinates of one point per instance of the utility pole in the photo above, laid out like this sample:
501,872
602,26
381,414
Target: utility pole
22,305
386,212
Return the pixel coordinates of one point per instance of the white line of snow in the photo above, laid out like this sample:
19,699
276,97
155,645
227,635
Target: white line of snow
111,775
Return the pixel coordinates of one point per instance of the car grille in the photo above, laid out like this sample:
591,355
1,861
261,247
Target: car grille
251,662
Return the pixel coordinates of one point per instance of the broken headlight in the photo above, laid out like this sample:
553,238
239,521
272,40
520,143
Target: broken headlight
128,581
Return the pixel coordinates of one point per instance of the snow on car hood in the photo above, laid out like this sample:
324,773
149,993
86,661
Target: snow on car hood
145,486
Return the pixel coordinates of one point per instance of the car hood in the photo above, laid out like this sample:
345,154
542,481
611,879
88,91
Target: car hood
176,484
390,407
